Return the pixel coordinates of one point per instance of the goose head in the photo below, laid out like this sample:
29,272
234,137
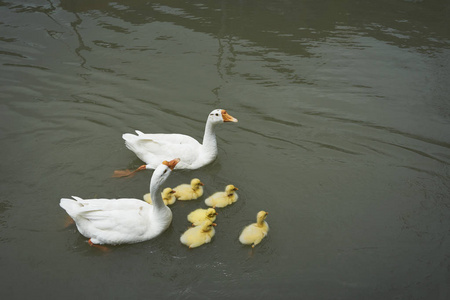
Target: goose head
196,184
230,189
163,171
220,116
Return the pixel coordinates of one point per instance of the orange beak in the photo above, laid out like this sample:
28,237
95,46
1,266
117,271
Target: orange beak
226,117
171,164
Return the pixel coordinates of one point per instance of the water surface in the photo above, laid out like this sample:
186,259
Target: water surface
343,137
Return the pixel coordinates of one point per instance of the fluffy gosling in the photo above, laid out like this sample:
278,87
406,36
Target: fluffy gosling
254,233
189,191
199,215
222,199
198,235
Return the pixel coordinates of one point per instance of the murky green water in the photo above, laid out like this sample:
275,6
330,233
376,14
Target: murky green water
343,137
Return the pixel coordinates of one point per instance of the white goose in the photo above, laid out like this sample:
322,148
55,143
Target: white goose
155,148
123,221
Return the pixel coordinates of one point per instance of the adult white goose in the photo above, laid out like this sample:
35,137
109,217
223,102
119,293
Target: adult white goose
125,220
155,148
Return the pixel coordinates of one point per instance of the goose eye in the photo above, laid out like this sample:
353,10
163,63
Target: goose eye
217,115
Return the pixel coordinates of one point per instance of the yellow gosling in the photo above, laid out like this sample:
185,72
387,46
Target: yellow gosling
198,235
167,196
222,199
189,191
254,233
199,215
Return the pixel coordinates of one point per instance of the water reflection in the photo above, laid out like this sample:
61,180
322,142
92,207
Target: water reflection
247,30
289,26
271,31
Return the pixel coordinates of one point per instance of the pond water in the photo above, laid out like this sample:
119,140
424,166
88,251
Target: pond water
343,137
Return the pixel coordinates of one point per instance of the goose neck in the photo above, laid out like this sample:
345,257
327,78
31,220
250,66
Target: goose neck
155,194
209,138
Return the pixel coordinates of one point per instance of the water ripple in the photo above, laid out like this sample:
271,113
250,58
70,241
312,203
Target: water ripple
379,127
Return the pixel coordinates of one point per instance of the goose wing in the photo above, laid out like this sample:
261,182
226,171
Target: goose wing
109,217
155,148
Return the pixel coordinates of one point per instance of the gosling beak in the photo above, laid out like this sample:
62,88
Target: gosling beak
227,118
236,189
214,224
171,164
201,183
173,192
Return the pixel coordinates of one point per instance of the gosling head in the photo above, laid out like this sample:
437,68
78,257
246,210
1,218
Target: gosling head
211,213
207,225
196,183
261,216
230,189
168,192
